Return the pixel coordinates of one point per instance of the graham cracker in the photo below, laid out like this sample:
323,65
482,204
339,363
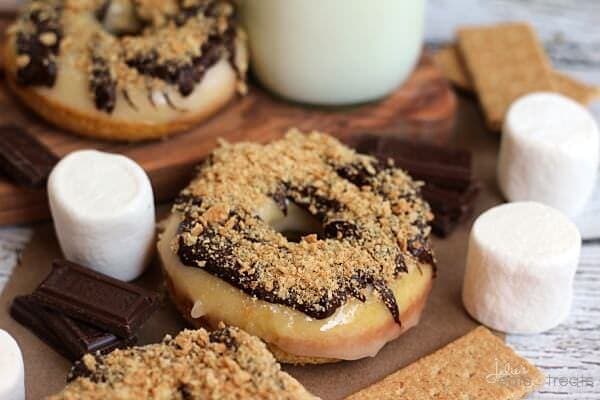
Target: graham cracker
450,62
505,61
574,88
453,67
477,366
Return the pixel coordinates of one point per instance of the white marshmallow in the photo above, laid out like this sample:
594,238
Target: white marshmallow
520,268
549,152
12,372
103,210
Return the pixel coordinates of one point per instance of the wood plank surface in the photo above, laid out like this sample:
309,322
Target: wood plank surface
423,109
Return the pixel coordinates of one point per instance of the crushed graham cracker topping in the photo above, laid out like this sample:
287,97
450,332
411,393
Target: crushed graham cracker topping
375,223
225,364
171,43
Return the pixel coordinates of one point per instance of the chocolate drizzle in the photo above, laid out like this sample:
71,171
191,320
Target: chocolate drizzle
280,198
80,370
401,264
40,32
217,255
421,251
184,75
103,86
180,74
189,11
218,259
38,46
340,229
374,225
360,174
128,99
307,197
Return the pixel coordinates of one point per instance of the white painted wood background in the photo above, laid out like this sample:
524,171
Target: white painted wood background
570,30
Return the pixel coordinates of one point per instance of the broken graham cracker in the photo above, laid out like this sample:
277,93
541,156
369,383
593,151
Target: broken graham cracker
505,61
453,67
476,366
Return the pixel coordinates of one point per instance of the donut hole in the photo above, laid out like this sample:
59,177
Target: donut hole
295,224
119,18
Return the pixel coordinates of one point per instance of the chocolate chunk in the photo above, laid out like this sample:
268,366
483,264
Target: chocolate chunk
27,313
23,158
119,307
445,201
443,166
69,337
450,207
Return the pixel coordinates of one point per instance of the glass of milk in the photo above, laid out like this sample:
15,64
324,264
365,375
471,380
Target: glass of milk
333,52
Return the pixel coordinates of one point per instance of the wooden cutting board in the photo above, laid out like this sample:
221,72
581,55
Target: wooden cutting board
423,109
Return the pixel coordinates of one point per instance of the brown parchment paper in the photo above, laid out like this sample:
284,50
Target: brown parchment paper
444,318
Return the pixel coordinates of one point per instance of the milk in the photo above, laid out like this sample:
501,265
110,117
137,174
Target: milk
333,52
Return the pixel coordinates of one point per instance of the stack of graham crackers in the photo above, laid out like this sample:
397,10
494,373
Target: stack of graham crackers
503,62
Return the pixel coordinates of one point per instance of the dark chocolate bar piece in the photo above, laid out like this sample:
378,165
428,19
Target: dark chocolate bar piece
23,158
81,293
449,187
450,207
443,166
447,201
71,338
443,224
81,338
26,312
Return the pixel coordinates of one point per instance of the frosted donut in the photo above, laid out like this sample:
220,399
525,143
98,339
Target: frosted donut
126,69
321,252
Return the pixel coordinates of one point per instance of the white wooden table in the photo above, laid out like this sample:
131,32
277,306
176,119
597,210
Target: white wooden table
570,29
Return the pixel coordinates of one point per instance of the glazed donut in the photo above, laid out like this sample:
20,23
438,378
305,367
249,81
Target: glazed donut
320,251
126,69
